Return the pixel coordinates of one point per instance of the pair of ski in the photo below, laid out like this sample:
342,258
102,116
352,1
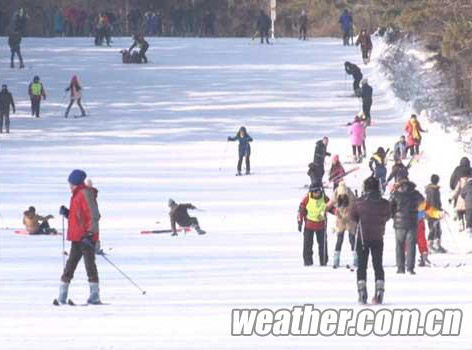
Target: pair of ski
71,303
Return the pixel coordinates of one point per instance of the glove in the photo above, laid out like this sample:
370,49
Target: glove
87,240
64,211
300,226
98,249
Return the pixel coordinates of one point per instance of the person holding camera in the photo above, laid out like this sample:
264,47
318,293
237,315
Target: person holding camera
83,232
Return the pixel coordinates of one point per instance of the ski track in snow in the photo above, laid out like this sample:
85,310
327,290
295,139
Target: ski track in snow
158,131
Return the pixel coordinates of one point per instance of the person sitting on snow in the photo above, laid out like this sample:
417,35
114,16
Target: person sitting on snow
31,220
178,214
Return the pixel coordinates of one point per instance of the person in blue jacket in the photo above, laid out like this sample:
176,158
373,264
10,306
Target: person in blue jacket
244,149
346,25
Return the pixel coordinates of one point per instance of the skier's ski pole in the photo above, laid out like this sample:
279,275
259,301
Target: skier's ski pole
63,245
124,274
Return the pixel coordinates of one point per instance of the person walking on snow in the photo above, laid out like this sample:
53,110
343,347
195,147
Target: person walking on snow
405,202
36,92
466,194
366,45
377,166
355,71
179,215
75,95
414,130
244,149
83,232
143,46
433,200
400,149
316,168
462,170
457,201
343,200
6,100
337,172
366,94
14,41
357,132
312,211
370,212
399,171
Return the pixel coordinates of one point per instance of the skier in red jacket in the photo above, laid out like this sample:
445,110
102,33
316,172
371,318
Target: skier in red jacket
83,232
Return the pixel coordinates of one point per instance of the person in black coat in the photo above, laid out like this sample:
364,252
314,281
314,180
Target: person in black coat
399,171
244,149
143,46
355,71
404,203
433,199
316,169
14,41
179,215
6,100
303,23
263,26
460,171
366,94
371,213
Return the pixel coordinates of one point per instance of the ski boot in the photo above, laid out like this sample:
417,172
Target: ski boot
199,230
424,261
355,259
379,292
439,247
94,297
63,291
336,260
362,290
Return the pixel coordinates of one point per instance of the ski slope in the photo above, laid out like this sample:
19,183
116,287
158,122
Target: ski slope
158,131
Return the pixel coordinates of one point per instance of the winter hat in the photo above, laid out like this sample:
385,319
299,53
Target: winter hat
434,179
36,78
171,203
77,177
371,184
315,188
32,209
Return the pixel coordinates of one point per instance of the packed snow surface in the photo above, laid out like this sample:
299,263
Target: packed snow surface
159,131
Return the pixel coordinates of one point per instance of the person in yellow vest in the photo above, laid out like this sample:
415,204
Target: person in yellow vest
36,93
312,212
32,220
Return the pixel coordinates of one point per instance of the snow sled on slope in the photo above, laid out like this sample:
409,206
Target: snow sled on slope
133,57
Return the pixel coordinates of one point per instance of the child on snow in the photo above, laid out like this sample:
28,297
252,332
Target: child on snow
433,200
377,166
414,130
336,172
400,148
244,148
357,132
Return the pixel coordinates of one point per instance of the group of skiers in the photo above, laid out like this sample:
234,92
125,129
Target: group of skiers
37,93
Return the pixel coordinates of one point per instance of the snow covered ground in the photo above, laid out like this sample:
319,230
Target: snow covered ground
159,131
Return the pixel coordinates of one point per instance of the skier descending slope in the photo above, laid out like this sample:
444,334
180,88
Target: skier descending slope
244,149
371,212
178,214
83,232
312,211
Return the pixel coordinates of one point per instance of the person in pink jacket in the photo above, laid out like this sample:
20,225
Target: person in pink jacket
357,132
